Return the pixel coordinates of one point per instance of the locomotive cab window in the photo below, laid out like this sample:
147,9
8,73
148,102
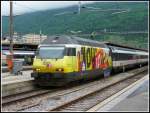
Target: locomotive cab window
50,52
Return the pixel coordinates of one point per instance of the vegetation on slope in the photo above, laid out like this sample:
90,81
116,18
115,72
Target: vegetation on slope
88,21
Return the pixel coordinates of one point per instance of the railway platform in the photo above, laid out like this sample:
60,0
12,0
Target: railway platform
12,84
8,78
5,68
133,98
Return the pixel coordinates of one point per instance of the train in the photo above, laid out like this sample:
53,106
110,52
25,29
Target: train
62,59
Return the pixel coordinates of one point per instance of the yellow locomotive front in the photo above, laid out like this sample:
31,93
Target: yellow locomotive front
52,64
49,59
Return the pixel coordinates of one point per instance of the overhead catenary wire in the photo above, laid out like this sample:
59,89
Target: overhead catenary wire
94,9
91,7
120,12
71,12
66,12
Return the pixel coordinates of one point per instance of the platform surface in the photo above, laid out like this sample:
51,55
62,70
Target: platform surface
135,99
8,78
4,69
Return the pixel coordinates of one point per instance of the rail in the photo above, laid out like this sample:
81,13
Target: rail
56,100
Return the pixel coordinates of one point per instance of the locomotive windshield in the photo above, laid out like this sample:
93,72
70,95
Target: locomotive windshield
50,52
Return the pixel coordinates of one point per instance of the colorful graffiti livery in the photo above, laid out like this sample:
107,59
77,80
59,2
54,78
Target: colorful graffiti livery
93,58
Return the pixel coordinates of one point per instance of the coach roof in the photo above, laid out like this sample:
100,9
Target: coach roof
124,46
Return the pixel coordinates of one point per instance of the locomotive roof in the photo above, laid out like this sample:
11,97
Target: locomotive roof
64,39
70,39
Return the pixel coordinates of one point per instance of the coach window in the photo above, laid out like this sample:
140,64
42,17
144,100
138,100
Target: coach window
115,56
73,51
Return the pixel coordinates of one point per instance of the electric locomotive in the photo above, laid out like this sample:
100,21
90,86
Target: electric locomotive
62,59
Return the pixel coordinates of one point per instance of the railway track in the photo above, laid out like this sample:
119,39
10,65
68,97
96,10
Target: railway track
58,99
86,102
21,96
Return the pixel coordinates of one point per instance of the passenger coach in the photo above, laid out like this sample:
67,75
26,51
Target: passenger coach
124,57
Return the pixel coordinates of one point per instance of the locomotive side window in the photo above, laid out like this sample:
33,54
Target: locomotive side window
73,51
70,51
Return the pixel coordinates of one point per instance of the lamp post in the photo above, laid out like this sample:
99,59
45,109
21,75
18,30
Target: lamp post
11,27
40,35
10,57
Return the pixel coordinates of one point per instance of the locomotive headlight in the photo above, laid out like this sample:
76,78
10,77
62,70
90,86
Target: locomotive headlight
60,69
37,69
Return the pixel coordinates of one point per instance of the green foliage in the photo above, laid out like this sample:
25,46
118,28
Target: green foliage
87,22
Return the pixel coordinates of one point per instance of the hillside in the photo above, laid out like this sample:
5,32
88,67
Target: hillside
87,22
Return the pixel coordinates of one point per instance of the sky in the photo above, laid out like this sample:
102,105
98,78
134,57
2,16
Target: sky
20,7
